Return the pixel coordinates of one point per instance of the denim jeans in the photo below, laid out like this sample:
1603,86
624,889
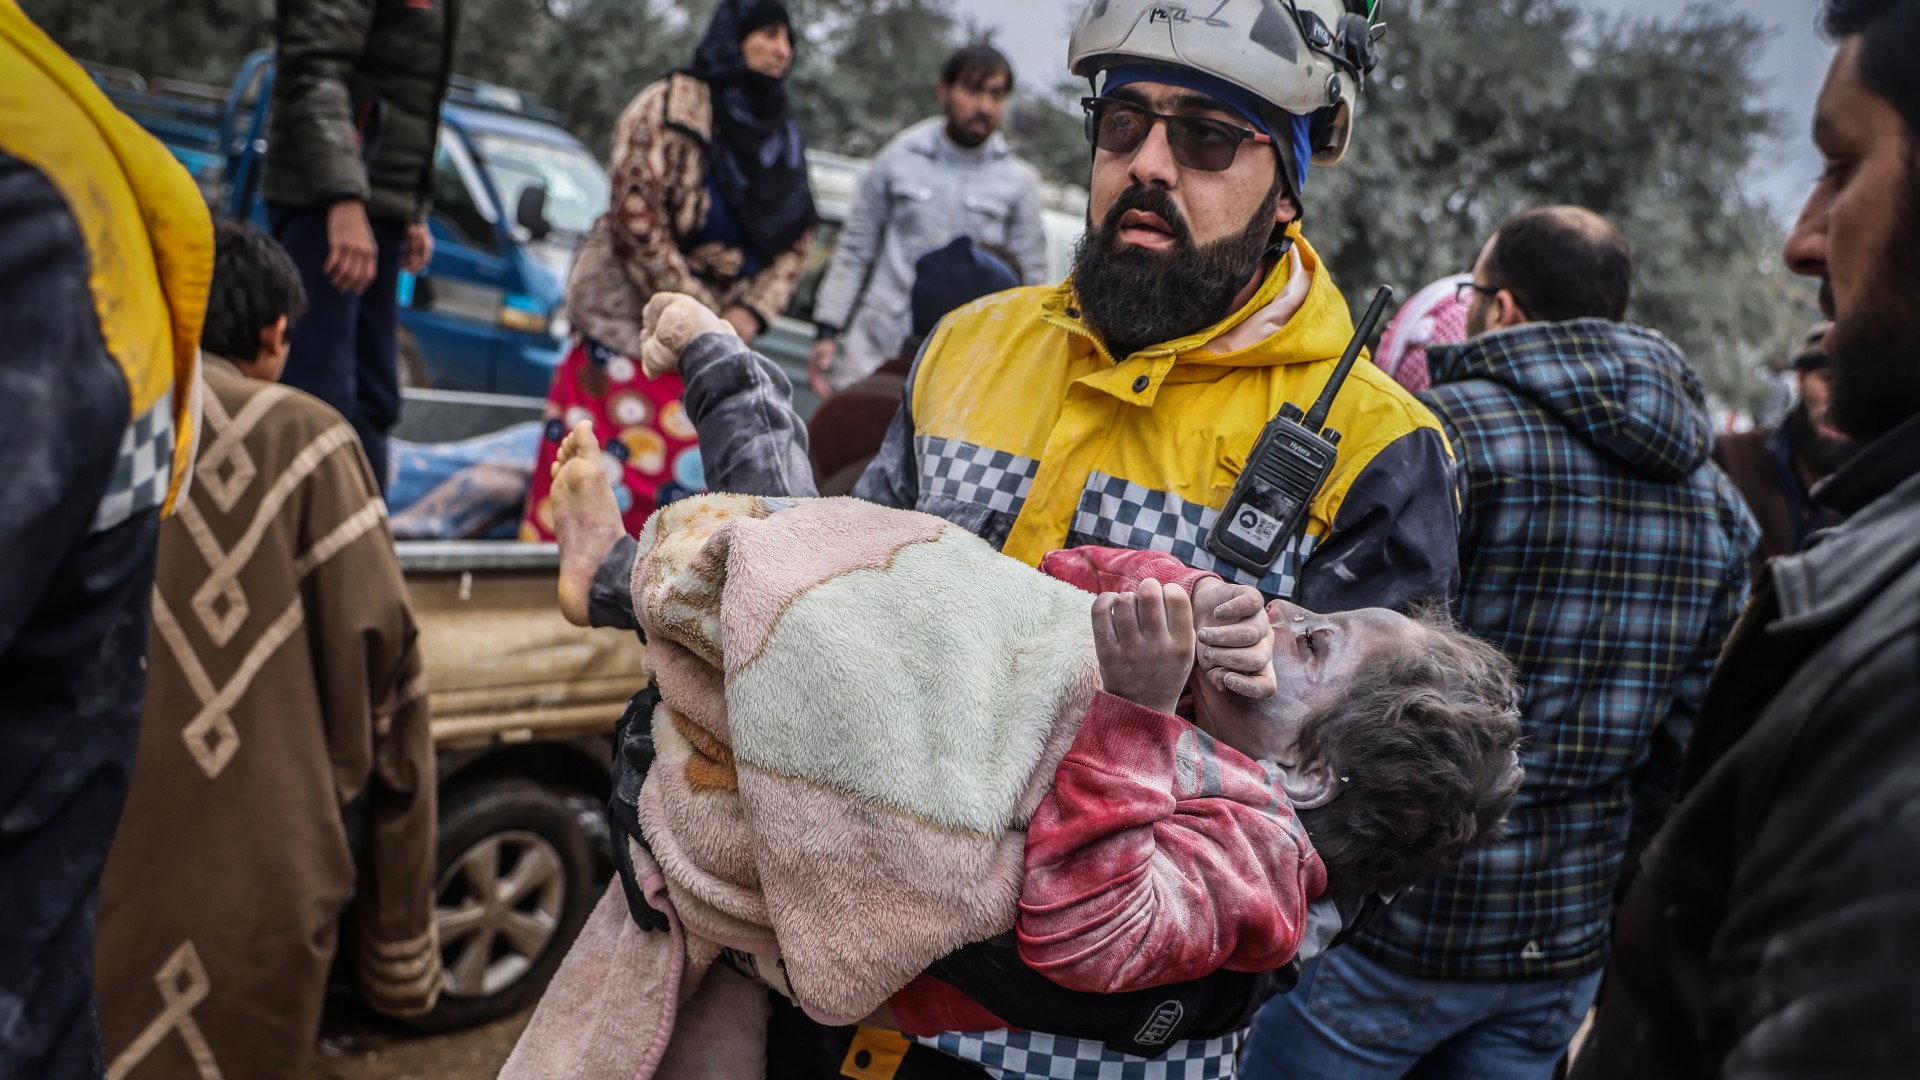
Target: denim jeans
1354,1018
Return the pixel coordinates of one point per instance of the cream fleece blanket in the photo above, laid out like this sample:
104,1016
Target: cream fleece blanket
862,708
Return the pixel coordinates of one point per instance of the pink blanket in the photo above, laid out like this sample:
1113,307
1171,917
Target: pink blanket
856,834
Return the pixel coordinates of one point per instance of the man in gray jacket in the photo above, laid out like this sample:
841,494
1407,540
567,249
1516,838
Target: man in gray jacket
942,177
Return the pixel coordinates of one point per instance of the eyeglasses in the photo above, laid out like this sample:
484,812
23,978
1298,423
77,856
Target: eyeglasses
1462,291
1197,142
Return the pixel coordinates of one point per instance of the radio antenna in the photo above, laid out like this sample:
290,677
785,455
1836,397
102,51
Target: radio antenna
1317,416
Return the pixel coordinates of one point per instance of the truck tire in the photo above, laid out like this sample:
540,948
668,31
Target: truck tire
513,883
411,362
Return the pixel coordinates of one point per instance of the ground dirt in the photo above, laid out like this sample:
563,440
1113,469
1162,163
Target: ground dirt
356,1045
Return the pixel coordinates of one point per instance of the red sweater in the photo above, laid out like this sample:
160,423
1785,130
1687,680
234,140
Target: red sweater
1159,856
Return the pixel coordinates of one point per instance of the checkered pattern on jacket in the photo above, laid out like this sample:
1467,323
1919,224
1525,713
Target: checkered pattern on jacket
1113,512
1120,513
143,469
1019,1055
1612,588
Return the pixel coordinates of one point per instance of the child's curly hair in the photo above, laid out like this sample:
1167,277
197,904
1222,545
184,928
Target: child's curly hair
1424,748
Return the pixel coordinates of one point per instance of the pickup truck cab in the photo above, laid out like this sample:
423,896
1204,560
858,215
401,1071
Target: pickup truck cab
513,197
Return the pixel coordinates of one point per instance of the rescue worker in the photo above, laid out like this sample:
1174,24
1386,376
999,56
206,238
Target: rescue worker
1119,409
106,254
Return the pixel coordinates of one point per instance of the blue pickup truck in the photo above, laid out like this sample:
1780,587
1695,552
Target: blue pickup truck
513,196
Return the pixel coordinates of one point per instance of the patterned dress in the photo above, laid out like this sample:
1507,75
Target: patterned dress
650,457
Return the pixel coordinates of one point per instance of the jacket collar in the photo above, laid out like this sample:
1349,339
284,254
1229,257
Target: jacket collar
216,362
929,139
1846,567
1878,468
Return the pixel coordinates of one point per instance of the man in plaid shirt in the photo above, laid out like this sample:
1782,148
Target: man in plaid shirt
1606,555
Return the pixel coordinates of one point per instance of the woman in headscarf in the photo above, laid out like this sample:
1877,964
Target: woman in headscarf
710,198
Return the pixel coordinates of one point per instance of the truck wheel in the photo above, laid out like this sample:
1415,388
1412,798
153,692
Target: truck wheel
412,363
514,883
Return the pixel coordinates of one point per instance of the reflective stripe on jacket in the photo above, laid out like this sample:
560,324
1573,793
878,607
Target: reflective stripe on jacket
150,240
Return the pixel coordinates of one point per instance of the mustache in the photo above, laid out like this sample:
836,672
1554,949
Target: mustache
1151,200
1826,295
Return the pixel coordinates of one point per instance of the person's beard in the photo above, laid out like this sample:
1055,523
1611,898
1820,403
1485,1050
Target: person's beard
966,138
1133,297
1875,351
1820,453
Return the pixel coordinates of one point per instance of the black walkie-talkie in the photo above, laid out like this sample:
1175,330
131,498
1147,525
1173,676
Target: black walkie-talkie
1288,465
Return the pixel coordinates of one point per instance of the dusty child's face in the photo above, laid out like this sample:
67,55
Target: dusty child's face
1315,657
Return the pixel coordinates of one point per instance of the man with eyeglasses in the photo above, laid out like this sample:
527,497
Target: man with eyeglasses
1603,551
1119,409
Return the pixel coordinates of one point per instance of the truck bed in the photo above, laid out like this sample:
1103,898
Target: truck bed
502,665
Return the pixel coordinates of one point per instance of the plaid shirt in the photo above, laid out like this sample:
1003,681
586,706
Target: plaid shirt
1602,552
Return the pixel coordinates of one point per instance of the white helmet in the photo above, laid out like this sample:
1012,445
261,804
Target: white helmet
1307,57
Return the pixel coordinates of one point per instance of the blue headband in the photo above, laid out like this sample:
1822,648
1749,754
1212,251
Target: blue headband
1240,101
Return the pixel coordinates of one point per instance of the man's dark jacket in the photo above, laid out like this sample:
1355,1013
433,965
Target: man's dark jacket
1774,928
1761,464
356,103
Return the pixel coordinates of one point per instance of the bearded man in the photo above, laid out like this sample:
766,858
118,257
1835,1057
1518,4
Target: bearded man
1118,409
1777,468
1774,927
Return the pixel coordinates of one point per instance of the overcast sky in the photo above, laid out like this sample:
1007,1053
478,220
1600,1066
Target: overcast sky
1033,33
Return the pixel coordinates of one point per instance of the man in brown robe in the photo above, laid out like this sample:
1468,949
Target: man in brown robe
285,688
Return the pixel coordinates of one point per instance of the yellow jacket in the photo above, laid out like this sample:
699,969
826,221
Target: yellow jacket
1022,428
150,244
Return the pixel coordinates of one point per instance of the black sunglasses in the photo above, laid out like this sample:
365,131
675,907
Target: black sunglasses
1197,142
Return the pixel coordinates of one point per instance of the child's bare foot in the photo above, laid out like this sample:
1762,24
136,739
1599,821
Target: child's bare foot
586,520
1145,644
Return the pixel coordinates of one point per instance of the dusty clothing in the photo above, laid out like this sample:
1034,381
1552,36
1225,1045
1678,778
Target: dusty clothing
1774,929
853,860
646,241
106,253
1187,848
284,686
356,103
922,190
1159,855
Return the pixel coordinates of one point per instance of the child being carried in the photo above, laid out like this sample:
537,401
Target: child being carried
878,733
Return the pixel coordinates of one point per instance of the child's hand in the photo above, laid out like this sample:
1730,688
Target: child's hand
668,325
1145,644
1235,636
